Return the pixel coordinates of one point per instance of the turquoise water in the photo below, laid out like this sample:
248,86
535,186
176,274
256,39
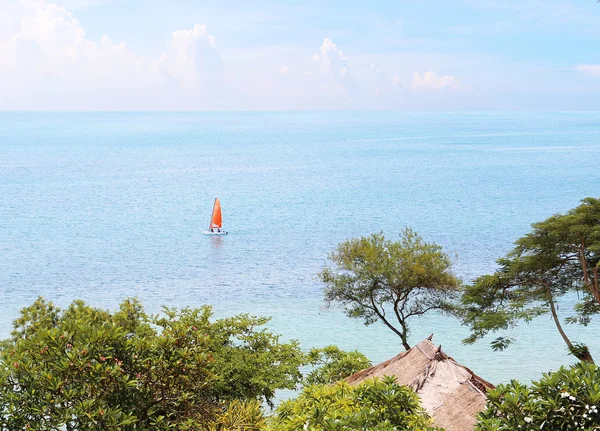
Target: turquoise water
104,206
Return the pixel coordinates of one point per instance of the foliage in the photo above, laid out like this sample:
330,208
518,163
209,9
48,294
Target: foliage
240,416
89,369
375,405
568,399
559,255
333,364
250,363
381,280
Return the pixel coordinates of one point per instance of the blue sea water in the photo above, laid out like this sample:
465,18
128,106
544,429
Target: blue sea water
104,206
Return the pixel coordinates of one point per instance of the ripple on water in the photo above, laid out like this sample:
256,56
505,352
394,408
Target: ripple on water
106,206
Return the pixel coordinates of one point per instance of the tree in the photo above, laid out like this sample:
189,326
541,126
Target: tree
88,369
333,364
560,255
251,363
564,400
375,405
379,280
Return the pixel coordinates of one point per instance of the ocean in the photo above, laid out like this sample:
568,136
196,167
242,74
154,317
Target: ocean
105,206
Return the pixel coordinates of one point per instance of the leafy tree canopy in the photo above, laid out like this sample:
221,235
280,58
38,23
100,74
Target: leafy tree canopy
88,369
390,281
333,364
560,255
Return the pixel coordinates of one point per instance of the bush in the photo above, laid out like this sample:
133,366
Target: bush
332,364
89,369
568,399
240,416
375,405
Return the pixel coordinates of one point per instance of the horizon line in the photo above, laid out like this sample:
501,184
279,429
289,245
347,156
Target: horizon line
325,111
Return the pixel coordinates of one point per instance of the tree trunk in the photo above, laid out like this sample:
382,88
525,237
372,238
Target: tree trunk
581,354
404,336
585,356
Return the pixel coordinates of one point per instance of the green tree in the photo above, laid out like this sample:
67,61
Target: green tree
375,405
380,280
568,399
251,363
560,255
89,369
333,364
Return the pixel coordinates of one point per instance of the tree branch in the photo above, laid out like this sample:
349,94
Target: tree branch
383,319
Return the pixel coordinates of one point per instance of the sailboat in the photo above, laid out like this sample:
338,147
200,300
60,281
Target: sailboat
216,220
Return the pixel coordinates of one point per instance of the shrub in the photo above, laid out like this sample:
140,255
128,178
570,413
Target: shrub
240,416
568,399
375,405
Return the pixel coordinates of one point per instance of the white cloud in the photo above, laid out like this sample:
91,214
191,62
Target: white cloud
331,77
322,81
194,59
48,62
331,59
589,69
431,81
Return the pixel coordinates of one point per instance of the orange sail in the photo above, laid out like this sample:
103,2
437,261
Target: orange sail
216,220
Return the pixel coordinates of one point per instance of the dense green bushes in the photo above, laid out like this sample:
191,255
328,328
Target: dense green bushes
568,399
85,368
375,405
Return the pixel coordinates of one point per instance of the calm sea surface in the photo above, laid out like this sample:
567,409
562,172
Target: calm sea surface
106,206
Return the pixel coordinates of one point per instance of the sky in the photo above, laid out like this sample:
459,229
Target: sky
405,55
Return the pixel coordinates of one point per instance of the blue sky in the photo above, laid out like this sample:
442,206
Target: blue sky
311,55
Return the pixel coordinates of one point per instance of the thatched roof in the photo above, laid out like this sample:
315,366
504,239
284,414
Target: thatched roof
451,393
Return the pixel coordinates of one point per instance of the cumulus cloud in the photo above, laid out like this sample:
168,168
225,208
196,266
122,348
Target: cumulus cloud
48,62
589,69
195,61
431,81
331,74
331,59
50,59
54,40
